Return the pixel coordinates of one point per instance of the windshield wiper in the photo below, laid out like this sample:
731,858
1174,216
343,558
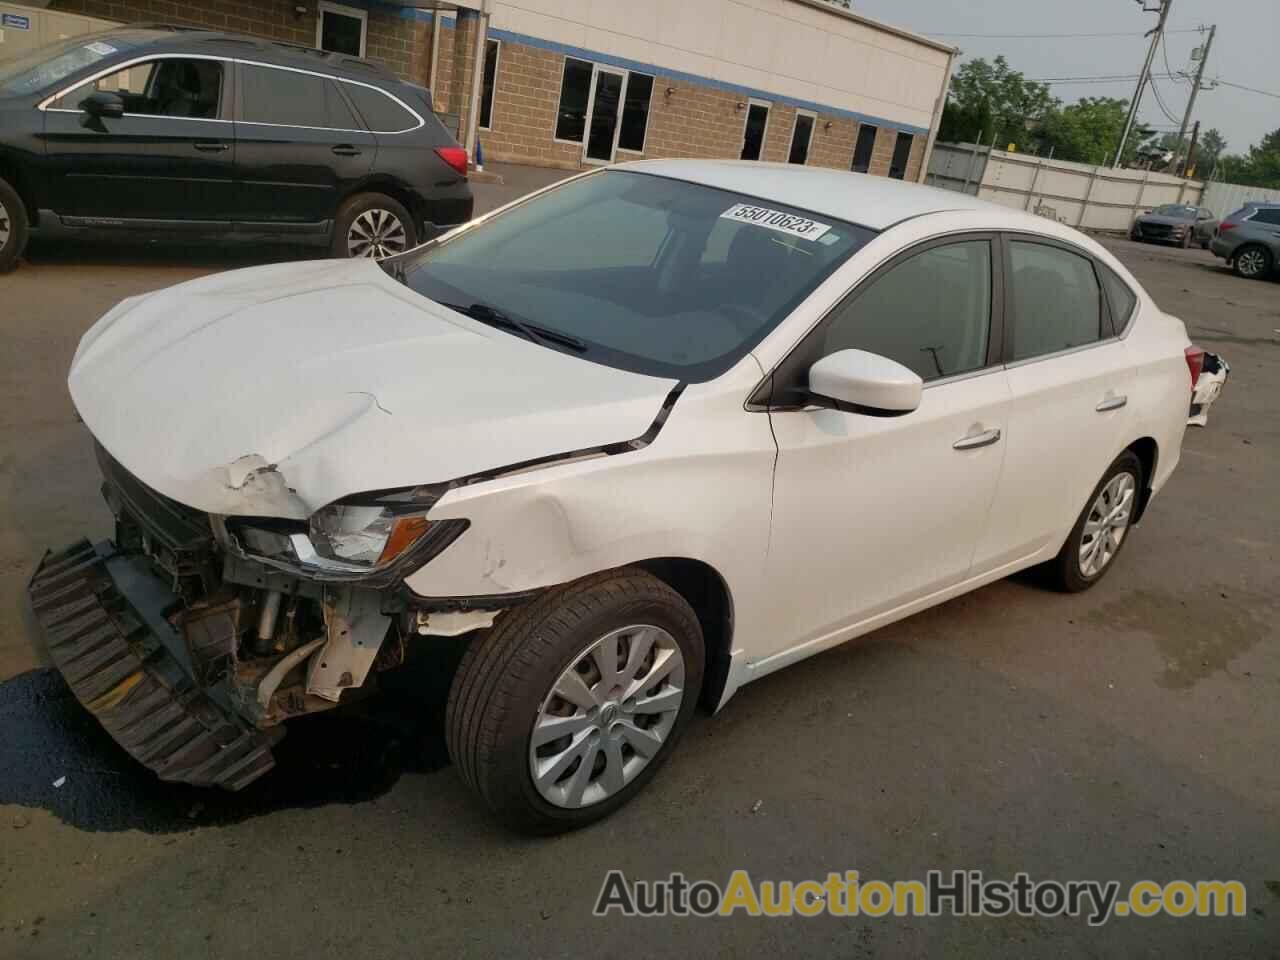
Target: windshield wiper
531,331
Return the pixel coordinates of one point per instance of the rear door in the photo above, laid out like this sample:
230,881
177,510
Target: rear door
168,160
299,149
1070,376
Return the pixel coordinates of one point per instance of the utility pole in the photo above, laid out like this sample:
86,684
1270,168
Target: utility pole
1195,89
1144,76
1191,150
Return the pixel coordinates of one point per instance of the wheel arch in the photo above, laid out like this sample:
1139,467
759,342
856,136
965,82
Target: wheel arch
393,188
704,589
1148,453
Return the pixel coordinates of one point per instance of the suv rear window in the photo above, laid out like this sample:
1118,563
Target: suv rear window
292,98
381,113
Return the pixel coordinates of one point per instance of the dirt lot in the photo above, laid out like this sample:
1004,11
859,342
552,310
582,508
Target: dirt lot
1131,732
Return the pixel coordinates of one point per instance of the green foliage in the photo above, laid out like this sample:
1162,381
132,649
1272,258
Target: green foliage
1088,131
1211,146
1259,168
998,101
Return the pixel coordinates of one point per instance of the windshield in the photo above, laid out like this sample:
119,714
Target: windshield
50,65
1176,210
637,271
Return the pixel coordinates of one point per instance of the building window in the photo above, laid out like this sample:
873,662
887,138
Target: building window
490,76
801,135
341,29
575,91
635,112
901,153
754,129
863,149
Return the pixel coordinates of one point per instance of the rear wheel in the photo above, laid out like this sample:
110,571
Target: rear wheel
373,225
1252,261
13,227
563,711
1102,528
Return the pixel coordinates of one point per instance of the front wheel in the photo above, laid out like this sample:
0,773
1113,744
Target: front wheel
1102,528
1253,262
566,708
373,225
13,227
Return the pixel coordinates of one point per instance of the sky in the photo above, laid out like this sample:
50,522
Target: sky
1244,51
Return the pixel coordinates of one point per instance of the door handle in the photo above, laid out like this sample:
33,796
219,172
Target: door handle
346,150
212,146
1111,403
976,440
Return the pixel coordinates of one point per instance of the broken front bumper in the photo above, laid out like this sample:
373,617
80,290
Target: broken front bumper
104,615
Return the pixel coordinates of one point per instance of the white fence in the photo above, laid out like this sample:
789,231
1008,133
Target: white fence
1225,198
1089,197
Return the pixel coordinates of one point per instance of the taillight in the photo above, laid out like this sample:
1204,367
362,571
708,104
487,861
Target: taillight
455,157
1225,226
1195,363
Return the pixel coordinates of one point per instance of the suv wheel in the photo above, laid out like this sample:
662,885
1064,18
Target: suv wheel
13,227
1102,528
1252,262
562,712
373,225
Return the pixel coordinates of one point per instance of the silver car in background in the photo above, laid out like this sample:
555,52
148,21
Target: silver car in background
1177,223
1249,240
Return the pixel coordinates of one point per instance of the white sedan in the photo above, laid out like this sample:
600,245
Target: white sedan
642,438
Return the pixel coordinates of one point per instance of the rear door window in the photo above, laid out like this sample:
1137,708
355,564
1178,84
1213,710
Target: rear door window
1057,304
291,98
381,114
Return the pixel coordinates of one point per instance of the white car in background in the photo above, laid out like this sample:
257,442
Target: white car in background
643,437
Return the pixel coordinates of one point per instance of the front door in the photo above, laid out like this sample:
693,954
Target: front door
169,159
607,90
871,513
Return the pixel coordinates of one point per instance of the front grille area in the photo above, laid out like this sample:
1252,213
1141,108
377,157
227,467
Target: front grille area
177,538
1155,231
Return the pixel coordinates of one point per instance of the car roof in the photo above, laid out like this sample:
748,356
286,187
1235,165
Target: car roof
148,38
870,201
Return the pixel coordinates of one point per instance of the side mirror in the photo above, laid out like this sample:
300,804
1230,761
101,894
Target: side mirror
867,382
103,105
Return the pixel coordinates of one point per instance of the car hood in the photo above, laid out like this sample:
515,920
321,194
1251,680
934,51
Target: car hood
276,390
1156,219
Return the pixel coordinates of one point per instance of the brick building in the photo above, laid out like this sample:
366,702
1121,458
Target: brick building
570,83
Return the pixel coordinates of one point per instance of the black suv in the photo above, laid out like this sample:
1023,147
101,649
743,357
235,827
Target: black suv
171,131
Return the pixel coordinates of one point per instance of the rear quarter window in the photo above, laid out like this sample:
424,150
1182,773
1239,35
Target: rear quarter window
1120,296
381,113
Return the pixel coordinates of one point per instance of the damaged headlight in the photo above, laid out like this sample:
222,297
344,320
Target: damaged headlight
355,536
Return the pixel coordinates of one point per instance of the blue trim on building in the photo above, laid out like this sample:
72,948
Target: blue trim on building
652,68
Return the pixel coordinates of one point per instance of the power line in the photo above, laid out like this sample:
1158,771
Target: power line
1155,89
1241,86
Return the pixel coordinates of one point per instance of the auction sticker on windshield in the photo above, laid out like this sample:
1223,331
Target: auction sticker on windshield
796,226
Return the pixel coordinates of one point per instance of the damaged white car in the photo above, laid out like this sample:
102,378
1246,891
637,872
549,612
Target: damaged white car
642,437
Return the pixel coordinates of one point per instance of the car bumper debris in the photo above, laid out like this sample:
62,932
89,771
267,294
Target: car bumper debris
1213,376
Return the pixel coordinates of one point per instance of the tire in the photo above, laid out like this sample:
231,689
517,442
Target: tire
14,227
504,688
1204,244
1067,570
389,227
1252,261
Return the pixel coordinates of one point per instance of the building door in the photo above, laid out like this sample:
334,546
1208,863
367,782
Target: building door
753,129
607,90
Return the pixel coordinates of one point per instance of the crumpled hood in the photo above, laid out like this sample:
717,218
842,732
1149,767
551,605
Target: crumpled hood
276,390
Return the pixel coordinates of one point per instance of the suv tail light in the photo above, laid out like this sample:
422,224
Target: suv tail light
1226,225
1195,363
455,157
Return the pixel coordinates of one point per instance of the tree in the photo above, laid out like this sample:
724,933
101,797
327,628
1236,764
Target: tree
1259,168
1088,131
1212,144
982,90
